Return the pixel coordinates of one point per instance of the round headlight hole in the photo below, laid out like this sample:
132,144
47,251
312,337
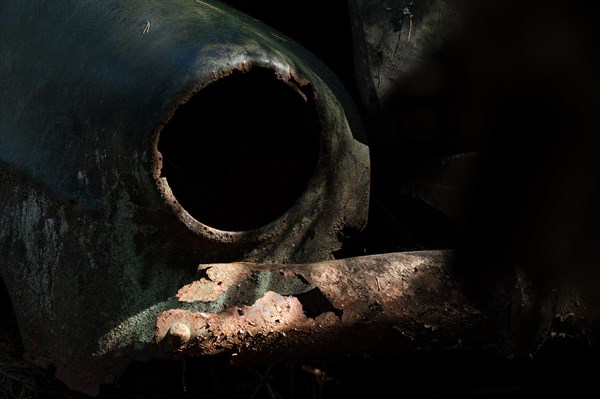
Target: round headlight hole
241,151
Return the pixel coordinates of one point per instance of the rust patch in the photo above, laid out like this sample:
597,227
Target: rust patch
370,304
220,277
298,78
233,328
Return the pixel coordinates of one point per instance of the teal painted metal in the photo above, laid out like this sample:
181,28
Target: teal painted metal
93,243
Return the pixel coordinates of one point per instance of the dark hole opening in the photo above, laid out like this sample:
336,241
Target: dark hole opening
241,151
314,303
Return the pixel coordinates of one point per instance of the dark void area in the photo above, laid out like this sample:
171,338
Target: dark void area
314,303
240,152
560,372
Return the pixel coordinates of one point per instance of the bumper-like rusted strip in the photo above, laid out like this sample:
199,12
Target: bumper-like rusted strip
380,303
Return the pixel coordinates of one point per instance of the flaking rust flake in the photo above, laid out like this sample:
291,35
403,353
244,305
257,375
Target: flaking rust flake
230,329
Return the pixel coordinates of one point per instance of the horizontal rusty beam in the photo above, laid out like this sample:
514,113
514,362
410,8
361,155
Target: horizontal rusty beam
370,304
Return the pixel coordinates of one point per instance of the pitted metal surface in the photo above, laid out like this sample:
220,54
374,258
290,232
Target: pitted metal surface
94,244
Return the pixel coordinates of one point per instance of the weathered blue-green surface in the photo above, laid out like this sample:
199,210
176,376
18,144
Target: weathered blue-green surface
92,244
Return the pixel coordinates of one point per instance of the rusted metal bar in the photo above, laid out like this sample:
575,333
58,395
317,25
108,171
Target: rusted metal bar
372,304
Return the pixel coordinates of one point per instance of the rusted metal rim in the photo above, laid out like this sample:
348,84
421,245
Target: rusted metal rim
283,73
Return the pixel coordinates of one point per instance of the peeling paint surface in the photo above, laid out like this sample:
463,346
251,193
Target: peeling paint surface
406,297
93,246
205,291
271,314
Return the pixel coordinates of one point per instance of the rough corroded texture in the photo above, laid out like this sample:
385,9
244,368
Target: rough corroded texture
393,37
93,245
366,304
380,303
